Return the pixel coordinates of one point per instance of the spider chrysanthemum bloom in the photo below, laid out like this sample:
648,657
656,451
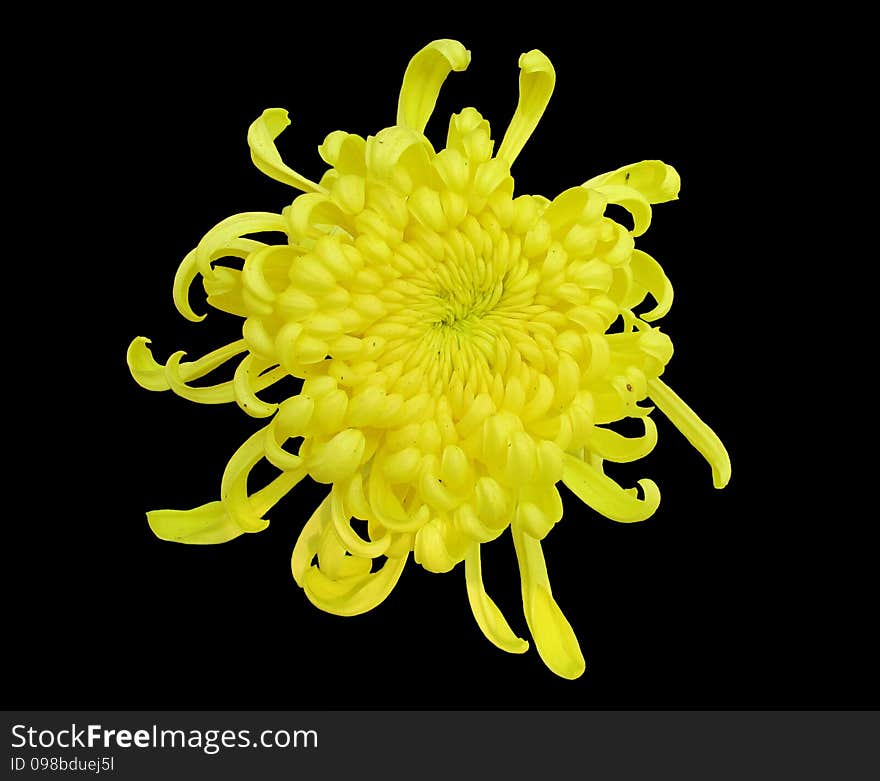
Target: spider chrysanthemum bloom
454,346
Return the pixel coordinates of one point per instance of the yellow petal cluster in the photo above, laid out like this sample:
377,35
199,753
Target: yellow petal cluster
461,350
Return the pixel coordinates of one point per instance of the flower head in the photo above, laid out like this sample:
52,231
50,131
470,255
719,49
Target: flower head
455,349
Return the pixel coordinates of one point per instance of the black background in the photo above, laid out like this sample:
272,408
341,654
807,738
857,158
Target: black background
757,595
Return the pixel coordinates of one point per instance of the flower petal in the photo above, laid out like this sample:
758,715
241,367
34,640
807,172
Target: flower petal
345,152
313,214
233,486
695,430
430,549
353,595
145,370
387,508
224,287
221,521
210,394
536,81
152,375
205,525
649,274
265,265
605,496
554,638
655,180
309,538
229,231
615,447
336,562
469,135
261,139
631,200
338,457
243,385
489,618
395,145
348,536
187,271
424,76
177,375
268,496
275,453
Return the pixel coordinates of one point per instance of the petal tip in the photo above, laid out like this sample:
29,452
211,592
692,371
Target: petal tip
721,472
521,647
535,60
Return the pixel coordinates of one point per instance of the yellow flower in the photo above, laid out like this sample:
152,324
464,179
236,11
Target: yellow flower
456,349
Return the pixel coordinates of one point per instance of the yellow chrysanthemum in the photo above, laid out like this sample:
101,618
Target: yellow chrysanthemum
454,347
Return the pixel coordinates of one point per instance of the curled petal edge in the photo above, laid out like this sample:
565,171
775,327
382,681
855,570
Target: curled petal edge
605,496
537,79
261,140
423,78
654,179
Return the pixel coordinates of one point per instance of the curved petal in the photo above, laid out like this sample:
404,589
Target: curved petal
648,273
695,431
189,270
538,509
387,508
193,370
469,135
430,549
275,453
175,375
205,525
345,152
348,536
225,292
605,496
393,145
354,595
226,233
336,562
338,457
267,497
655,180
224,287
186,272
150,374
145,370
310,215
615,447
221,393
424,76
554,637
261,139
210,523
536,81
309,538
631,200
469,522
243,383
275,258
565,210
489,618
233,486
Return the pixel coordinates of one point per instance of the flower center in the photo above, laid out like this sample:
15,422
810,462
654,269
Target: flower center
463,309
450,318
